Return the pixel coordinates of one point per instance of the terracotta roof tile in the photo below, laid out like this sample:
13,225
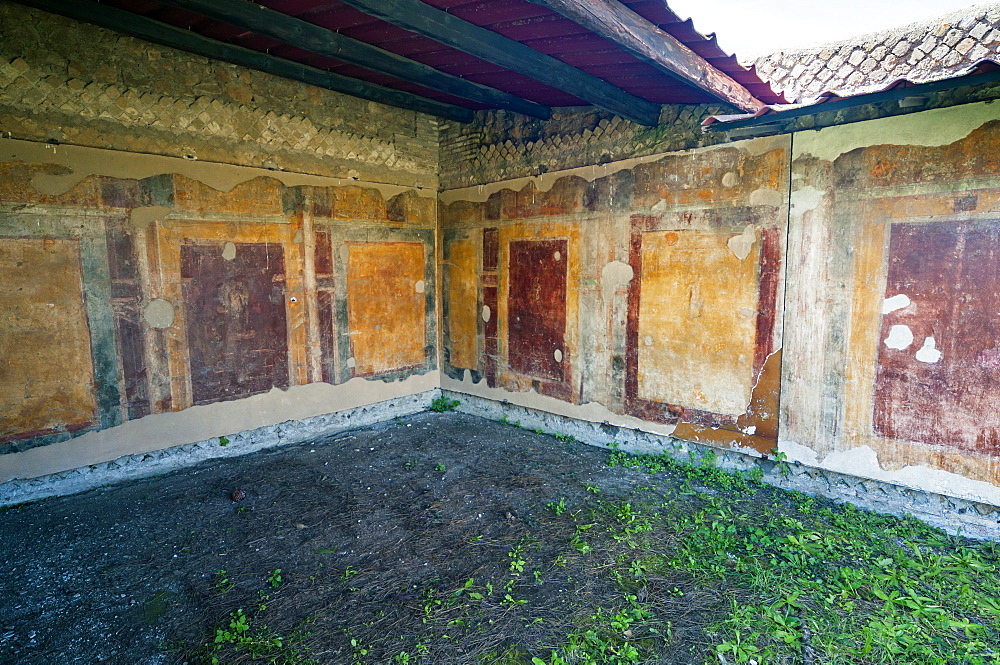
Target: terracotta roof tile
926,50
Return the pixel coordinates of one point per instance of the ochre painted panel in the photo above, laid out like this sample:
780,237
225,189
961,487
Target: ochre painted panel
386,311
46,370
463,315
938,375
697,321
536,309
236,322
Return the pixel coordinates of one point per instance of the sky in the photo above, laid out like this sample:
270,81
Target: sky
750,28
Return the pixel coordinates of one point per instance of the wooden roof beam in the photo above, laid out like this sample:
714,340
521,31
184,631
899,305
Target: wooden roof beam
321,41
186,40
452,31
619,24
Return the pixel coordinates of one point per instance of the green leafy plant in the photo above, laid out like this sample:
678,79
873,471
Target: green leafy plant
222,582
442,404
274,579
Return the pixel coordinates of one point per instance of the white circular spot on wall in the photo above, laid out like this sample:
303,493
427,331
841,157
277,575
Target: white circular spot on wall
293,299
229,251
648,340
927,353
419,286
557,256
899,337
730,179
557,355
299,237
486,313
351,363
159,313
899,301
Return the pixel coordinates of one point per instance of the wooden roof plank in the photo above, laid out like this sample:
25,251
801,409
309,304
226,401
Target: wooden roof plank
319,40
616,22
443,27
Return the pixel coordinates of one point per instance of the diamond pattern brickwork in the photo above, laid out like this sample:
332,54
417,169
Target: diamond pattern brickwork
499,146
920,51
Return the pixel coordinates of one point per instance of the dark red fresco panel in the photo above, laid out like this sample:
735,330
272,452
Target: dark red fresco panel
536,308
235,319
950,271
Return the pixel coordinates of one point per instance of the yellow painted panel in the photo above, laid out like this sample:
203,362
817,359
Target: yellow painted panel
46,370
463,321
697,321
386,306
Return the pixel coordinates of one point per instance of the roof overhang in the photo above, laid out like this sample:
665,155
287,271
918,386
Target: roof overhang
910,96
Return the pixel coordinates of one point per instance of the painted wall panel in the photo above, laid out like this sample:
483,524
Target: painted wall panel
236,328
463,309
938,376
46,372
536,309
386,306
697,317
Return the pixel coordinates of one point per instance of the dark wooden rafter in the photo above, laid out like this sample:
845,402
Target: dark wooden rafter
321,41
452,31
619,24
186,40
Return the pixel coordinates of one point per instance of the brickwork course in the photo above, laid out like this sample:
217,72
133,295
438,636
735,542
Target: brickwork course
923,51
63,81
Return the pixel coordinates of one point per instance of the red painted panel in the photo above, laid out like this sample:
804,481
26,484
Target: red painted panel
235,318
946,394
491,249
536,304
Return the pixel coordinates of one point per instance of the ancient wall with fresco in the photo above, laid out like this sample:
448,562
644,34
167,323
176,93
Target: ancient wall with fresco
124,298
646,292
892,332
190,249
832,295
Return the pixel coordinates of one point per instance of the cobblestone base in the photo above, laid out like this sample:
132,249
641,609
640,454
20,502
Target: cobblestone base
131,467
952,514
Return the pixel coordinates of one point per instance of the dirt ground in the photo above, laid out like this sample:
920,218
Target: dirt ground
437,538
368,529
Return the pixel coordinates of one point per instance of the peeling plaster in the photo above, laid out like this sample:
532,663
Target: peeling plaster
807,198
545,181
148,214
890,305
419,286
591,411
613,275
81,162
863,461
767,197
159,313
927,128
742,244
229,251
730,179
900,337
487,313
163,430
927,353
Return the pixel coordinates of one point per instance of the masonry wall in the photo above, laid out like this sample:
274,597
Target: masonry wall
189,249
645,292
829,295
